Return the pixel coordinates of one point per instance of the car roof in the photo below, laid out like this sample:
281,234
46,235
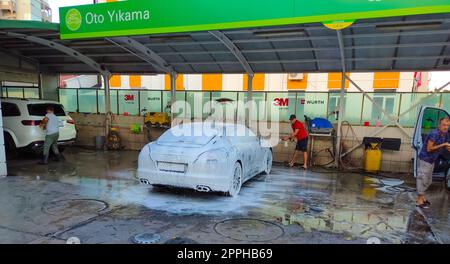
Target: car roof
210,126
28,101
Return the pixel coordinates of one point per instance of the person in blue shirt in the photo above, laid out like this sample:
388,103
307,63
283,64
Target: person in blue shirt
434,142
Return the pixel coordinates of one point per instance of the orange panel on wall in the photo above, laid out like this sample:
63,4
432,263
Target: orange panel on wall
212,82
115,81
135,81
386,80
298,84
258,82
179,82
335,81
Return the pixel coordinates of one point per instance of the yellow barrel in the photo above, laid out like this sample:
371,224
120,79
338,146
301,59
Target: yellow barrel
372,161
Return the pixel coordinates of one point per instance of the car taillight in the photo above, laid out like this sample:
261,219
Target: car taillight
71,121
31,122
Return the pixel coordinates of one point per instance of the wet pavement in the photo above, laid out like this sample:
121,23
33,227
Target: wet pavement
96,197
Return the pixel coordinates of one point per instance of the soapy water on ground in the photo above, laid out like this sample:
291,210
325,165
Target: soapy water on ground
348,203
259,192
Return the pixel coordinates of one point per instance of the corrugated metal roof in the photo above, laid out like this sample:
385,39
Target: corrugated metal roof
410,43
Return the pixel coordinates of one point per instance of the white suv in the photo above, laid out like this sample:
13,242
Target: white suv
21,119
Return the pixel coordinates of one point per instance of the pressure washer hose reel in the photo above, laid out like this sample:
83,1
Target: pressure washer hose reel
321,127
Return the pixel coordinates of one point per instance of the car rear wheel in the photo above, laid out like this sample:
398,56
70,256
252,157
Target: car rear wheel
269,160
236,181
10,147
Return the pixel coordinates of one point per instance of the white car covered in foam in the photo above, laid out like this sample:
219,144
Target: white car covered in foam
206,156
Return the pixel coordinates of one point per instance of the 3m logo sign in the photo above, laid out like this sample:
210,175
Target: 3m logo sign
281,102
129,97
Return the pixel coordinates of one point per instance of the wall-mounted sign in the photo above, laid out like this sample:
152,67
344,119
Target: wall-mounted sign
281,102
315,102
136,17
128,97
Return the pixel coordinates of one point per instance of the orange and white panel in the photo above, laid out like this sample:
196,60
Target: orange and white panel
314,82
193,82
363,80
233,82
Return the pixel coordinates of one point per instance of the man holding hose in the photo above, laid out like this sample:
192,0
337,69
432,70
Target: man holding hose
301,135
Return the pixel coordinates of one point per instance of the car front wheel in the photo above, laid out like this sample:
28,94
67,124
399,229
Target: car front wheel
236,181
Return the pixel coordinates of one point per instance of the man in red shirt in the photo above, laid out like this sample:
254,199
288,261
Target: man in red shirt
301,135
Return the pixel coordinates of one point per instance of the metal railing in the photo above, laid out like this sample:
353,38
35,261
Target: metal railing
358,110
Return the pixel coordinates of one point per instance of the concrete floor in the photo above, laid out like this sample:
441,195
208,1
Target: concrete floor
96,197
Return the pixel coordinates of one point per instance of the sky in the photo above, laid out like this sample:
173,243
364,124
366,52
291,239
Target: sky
437,79
56,4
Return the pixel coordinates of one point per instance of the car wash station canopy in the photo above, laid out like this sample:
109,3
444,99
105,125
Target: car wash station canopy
235,36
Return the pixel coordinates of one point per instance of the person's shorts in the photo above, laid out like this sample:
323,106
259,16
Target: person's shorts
424,175
302,145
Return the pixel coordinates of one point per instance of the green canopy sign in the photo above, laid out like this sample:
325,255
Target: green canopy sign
136,17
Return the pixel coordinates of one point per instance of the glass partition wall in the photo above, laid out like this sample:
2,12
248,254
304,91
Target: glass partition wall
359,110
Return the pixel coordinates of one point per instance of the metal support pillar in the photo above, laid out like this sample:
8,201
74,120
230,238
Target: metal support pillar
108,113
41,90
341,100
249,99
173,87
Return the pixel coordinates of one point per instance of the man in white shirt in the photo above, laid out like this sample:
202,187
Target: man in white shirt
51,124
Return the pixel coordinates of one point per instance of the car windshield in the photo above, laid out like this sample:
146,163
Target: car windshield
193,134
41,109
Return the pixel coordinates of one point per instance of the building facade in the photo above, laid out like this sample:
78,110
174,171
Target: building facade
38,10
309,82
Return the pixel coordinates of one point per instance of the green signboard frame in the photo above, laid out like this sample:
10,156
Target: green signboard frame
138,17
